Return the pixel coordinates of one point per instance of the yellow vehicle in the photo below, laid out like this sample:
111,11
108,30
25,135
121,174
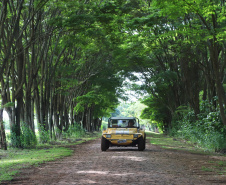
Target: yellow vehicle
123,131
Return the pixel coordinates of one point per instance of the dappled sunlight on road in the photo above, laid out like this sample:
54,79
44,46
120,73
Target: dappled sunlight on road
93,172
103,173
122,174
132,158
87,181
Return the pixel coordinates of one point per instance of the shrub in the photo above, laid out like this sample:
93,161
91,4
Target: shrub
44,135
74,130
104,125
208,131
14,140
27,137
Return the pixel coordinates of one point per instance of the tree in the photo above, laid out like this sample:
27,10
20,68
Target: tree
165,43
3,143
66,60
207,16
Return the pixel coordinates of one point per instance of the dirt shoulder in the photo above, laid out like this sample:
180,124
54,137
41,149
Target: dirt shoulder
155,165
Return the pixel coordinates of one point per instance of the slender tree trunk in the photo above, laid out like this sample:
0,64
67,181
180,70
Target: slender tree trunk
88,122
47,102
20,73
3,143
51,126
55,112
84,120
72,114
32,115
61,111
66,120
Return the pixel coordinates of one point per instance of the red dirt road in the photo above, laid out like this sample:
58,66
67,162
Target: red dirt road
153,166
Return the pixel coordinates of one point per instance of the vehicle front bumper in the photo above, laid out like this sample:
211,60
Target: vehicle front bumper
124,140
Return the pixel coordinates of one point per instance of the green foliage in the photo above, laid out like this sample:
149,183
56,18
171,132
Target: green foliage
74,131
209,139
115,113
207,131
85,100
28,137
156,111
9,104
104,125
44,135
102,95
14,140
131,109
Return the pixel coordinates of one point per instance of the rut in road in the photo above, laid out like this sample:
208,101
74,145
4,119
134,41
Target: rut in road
89,165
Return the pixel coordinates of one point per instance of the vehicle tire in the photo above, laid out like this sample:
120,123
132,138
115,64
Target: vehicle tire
141,144
104,144
144,141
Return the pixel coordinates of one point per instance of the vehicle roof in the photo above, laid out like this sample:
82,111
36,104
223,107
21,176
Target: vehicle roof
122,118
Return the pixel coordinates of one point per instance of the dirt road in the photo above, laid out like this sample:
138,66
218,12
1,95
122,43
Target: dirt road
89,165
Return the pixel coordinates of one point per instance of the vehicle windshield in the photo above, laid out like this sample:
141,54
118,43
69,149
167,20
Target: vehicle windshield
123,123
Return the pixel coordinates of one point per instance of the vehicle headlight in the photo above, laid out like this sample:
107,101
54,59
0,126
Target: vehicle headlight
108,135
135,135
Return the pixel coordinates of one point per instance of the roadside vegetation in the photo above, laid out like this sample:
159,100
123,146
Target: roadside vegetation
168,142
29,139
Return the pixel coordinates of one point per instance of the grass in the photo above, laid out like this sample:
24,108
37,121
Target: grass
206,169
12,160
171,143
15,159
219,167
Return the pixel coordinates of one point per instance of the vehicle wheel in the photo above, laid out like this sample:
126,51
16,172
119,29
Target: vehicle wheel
104,144
141,144
144,141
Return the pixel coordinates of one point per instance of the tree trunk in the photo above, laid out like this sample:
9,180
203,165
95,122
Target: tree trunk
37,101
84,120
3,144
51,126
72,114
66,120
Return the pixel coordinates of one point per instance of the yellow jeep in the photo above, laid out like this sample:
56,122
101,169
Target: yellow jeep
123,131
